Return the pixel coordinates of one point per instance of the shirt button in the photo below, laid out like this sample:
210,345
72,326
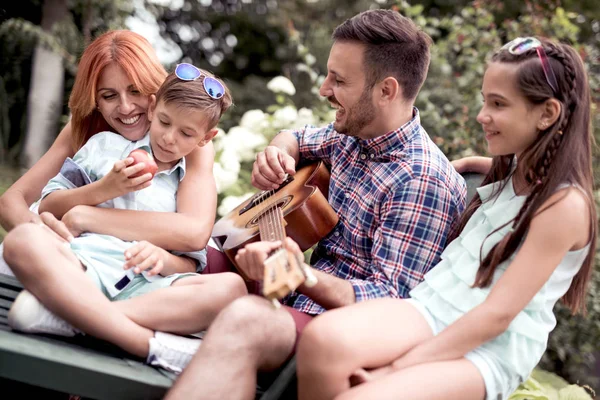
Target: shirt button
336,233
363,156
371,155
346,195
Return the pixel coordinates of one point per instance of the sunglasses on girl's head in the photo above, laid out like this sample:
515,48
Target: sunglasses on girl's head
522,45
189,72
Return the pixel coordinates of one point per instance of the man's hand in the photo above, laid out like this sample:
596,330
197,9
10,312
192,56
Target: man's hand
251,258
120,180
143,256
271,167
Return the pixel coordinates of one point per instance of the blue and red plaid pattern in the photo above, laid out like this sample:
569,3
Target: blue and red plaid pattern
397,197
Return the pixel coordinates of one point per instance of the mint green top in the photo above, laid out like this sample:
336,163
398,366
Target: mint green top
448,294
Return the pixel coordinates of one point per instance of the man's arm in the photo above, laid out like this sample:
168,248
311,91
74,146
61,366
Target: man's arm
330,291
286,141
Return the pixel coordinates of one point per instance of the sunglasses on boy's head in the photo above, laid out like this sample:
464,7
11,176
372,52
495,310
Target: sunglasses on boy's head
522,45
189,72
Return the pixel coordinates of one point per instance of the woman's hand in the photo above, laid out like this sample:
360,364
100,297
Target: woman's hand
56,226
74,219
120,180
145,256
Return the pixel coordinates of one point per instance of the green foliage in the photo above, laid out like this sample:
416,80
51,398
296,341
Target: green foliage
54,41
20,33
543,385
450,98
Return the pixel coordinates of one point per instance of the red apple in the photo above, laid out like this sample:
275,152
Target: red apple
141,155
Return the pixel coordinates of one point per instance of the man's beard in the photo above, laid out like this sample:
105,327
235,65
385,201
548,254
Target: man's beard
356,117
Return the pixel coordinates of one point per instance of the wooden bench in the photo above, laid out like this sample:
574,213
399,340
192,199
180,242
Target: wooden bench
95,369
85,366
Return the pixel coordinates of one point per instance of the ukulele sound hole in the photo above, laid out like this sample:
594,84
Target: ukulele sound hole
281,203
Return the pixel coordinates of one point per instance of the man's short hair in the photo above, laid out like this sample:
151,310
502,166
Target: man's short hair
394,46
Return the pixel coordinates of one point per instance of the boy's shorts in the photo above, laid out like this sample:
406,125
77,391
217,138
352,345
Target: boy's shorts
138,286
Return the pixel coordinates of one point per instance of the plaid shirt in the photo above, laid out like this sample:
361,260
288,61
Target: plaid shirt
397,197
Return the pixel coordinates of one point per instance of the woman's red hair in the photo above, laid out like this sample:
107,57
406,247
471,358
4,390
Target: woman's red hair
130,51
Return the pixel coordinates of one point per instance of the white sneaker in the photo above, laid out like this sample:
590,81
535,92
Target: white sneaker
171,352
28,315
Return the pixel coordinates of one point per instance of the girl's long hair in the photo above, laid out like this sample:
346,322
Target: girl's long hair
561,154
130,51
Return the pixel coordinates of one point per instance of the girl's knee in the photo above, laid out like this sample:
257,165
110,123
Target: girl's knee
322,339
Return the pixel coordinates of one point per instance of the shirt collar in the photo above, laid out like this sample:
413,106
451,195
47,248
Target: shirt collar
144,143
395,140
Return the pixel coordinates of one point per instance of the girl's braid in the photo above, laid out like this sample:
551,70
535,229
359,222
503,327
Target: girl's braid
570,100
538,173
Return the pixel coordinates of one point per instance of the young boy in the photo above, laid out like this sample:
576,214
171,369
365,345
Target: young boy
183,115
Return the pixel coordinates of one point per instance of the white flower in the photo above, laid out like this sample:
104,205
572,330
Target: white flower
230,160
305,117
254,120
218,139
224,178
243,142
231,202
281,84
311,72
310,59
284,117
446,69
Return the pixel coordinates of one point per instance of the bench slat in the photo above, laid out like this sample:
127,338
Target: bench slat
59,365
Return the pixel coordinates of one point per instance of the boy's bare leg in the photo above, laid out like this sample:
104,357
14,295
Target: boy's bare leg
246,336
188,306
49,269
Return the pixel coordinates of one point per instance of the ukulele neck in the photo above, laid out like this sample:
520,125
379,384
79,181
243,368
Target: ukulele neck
271,225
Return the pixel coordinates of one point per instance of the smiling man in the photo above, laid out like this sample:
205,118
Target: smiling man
396,194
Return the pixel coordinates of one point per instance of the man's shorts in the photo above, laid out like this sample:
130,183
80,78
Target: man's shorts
300,320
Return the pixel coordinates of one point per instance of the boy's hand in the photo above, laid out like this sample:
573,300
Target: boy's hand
271,167
143,256
120,180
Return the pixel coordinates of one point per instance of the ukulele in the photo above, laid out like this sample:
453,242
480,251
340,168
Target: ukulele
298,209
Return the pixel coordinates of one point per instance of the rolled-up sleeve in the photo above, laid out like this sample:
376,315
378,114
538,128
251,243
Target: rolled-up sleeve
78,171
317,143
198,256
